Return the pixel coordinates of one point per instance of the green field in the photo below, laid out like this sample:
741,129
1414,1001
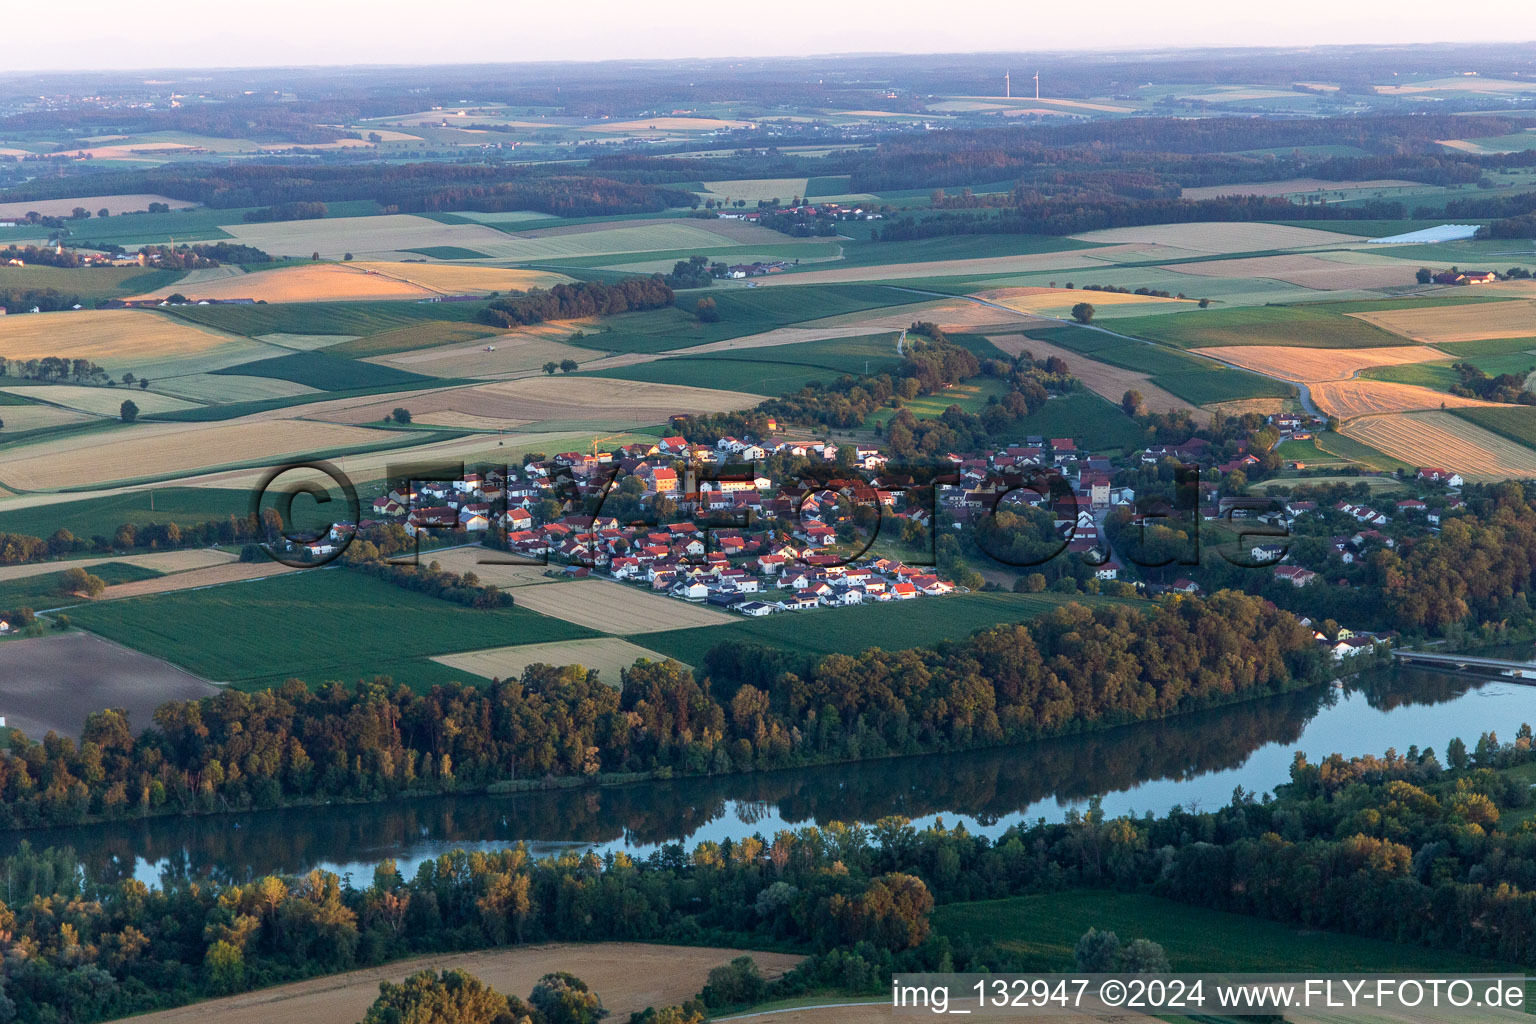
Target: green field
429,334
773,370
970,396
42,591
89,283
319,625
449,252
1044,928
742,312
1515,422
1440,376
1220,384
751,376
327,372
354,318
1305,452
1357,451
893,625
1086,417
90,517
1487,347
1307,326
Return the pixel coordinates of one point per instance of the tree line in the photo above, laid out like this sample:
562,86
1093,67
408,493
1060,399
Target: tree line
1069,670
1400,846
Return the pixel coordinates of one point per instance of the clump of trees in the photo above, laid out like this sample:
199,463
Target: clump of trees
55,368
582,299
294,210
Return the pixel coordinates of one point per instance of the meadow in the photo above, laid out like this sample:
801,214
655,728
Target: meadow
317,625
1304,326
90,517
892,625
42,591
1515,422
327,372
1044,928
355,319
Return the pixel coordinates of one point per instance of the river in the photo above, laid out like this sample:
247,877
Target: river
1194,761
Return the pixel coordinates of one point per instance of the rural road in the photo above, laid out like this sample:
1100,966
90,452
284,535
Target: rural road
1301,389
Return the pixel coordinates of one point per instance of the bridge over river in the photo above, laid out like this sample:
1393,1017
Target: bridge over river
1517,671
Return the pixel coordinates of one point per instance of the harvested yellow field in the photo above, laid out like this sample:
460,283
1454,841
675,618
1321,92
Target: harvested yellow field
1106,381
1220,236
160,561
211,576
616,607
1059,301
135,203
1305,271
95,401
1442,439
1471,322
535,399
333,237
320,282
608,656
1317,364
668,124
457,279
163,449
1292,186
1348,399
754,189
128,337
627,977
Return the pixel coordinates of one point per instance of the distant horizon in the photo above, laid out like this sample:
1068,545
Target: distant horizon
112,38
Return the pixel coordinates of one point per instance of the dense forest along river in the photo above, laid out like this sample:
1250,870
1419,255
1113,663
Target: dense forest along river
1195,761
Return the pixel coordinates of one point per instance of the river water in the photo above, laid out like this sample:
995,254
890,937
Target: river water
1194,761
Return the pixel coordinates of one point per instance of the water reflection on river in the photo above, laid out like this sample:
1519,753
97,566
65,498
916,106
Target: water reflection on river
1194,761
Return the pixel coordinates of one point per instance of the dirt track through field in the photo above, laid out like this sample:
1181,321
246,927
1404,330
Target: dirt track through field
1106,381
627,976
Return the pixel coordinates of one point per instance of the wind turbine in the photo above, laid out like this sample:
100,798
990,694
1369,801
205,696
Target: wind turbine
1007,86
1037,85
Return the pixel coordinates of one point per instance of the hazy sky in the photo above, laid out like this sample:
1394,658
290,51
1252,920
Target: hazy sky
213,33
